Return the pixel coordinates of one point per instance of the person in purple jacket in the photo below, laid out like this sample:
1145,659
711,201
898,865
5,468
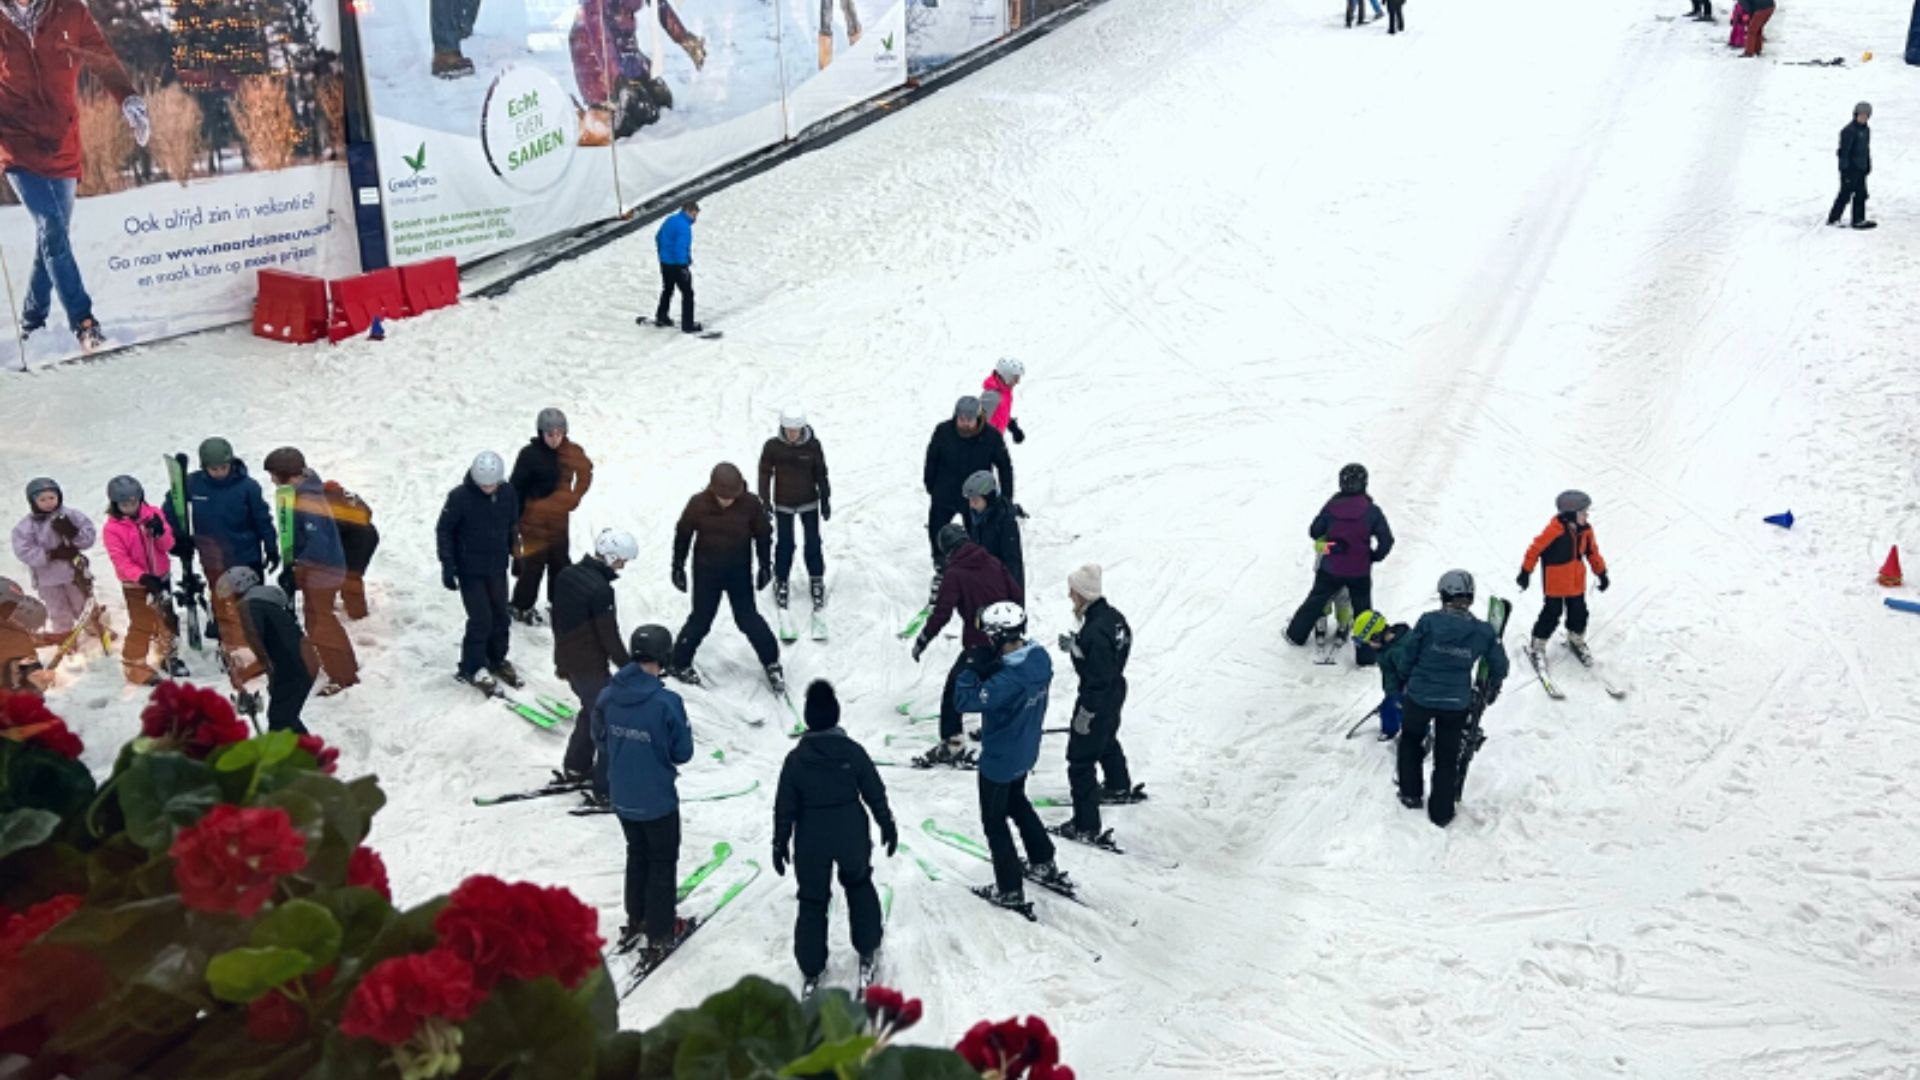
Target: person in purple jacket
1354,535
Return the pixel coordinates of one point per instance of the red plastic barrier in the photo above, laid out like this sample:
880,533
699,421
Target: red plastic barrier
357,301
290,307
431,284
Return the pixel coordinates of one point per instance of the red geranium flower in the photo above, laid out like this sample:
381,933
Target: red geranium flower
25,717
275,1017
21,930
192,719
1011,1050
520,931
231,859
368,871
327,756
400,992
886,1005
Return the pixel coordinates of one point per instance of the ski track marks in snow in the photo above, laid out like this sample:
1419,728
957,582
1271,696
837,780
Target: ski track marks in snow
1238,245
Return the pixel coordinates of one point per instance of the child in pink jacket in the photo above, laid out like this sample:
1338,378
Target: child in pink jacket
996,399
138,541
49,540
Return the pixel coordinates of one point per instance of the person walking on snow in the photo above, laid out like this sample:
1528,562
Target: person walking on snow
550,477
724,526
1370,628
972,581
1756,25
960,447
1356,13
823,782
1440,657
674,242
230,526
1856,161
21,617
319,567
641,730
1353,534
1702,11
1564,548
1006,681
1099,652
996,397
793,484
475,539
268,628
49,540
992,524
587,644
137,541
359,539
1396,22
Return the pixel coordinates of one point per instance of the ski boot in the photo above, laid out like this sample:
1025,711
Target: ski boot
480,681
1050,875
1102,838
817,588
1578,643
1537,652
1014,899
1412,802
808,984
526,616
777,679
685,674
504,672
1123,796
629,940
869,963
176,667
330,689
656,950
780,595
950,752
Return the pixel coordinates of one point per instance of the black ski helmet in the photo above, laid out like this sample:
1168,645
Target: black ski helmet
39,485
651,642
1353,480
215,451
122,488
1456,585
950,538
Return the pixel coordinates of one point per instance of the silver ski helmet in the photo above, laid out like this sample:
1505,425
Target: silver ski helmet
949,539
616,545
651,643
122,488
980,485
550,420
793,418
487,469
1003,622
1456,585
40,485
1572,502
1009,368
238,581
1353,479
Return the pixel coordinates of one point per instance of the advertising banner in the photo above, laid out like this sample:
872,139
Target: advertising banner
838,53
941,31
157,154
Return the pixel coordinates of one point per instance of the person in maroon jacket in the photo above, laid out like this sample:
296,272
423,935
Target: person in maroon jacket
44,44
972,581
615,78
724,526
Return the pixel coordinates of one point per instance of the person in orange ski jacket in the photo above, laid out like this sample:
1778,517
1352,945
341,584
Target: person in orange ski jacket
1564,548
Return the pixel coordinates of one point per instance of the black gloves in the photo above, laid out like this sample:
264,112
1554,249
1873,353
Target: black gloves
63,553
1493,693
1603,581
449,579
780,859
889,836
1013,429
287,584
1524,577
680,579
272,559
765,577
826,509
64,526
155,525
919,646
1019,511
982,660
155,585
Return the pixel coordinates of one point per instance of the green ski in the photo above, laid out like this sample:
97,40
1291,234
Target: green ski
192,587
283,498
722,851
919,620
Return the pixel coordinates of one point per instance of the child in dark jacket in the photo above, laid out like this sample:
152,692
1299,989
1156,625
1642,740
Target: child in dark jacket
1856,161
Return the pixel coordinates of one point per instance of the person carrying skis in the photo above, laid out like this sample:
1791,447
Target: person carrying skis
21,617
229,525
823,782
991,523
267,626
1440,656
1353,534
972,581
137,541
1006,680
475,538
724,526
959,448
996,397
319,567
1564,548
793,484
50,540
641,730
359,539
550,477
674,243
1099,652
1856,161
587,642
1371,628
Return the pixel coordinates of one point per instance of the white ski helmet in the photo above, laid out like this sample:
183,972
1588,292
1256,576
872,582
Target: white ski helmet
1009,368
616,545
1003,622
487,468
237,582
794,417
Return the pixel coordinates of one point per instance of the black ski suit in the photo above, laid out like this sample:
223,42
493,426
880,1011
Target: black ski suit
822,784
587,649
266,619
998,530
1099,652
476,534
951,458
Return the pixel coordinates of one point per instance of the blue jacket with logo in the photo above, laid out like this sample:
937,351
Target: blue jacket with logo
641,729
1013,704
675,240
316,537
231,523
1440,655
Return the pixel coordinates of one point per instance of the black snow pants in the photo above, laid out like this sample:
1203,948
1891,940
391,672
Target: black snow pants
1000,803
1575,608
1448,726
671,278
783,544
1098,751
1325,585
823,840
583,754
710,583
653,874
485,642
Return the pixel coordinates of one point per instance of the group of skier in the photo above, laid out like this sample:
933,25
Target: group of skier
1357,14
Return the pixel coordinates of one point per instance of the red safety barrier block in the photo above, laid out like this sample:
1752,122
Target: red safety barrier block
431,284
357,301
290,307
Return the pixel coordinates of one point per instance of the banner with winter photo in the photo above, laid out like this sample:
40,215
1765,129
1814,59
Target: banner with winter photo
838,53
158,153
483,139
941,31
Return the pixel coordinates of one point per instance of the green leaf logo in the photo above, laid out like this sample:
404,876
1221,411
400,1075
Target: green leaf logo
418,161
887,43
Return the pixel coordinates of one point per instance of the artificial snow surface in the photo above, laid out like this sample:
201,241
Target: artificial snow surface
1517,250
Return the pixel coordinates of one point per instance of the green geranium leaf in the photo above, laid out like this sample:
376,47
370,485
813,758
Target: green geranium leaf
241,975
303,926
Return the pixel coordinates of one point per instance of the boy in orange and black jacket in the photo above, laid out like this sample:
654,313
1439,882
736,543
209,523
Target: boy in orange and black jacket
1561,547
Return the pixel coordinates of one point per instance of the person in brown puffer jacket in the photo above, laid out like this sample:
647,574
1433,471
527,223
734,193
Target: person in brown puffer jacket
793,484
724,526
551,476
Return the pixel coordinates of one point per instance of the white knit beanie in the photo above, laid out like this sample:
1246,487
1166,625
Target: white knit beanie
1085,582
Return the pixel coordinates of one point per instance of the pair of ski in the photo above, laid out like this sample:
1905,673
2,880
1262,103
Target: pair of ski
564,786
789,633
1135,794
648,959
1543,669
1327,646
869,969
545,713
968,845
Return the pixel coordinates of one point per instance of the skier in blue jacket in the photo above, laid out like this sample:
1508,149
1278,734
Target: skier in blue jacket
641,729
1439,658
1007,682
230,526
674,242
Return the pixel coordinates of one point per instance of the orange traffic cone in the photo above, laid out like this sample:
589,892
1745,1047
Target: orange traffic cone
1890,570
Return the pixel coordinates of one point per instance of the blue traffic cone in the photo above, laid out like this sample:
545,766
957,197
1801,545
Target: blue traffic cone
379,333
1785,520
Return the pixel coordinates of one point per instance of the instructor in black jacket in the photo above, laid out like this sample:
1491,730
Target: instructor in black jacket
825,779
587,642
1099,651
476,533
1856,161
991,524
959,448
